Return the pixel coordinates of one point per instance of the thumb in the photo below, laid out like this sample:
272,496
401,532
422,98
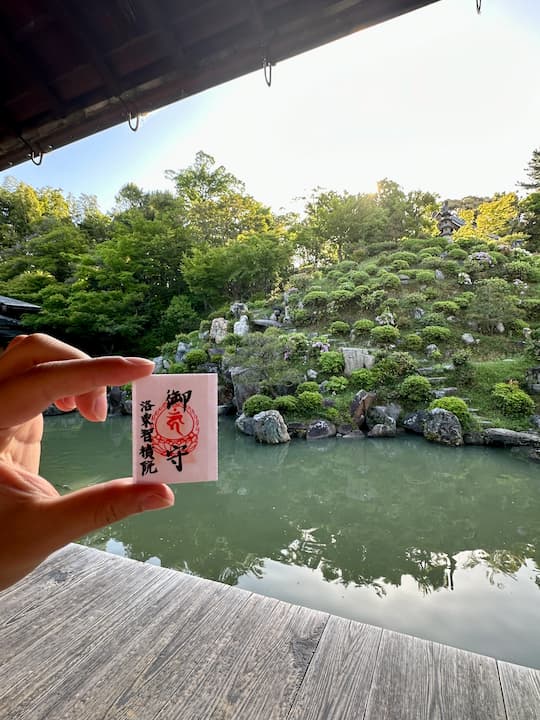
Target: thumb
70,516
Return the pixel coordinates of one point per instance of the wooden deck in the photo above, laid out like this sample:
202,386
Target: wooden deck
92,636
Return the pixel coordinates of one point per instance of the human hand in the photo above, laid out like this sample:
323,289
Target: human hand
35,371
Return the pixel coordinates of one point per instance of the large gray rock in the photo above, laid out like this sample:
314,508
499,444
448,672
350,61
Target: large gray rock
439,275
181,350
238,309
320,429
474,438
431,349
360,404
510,438
356,359
445,392
219,330
244,386
535,422
245,424
418,313
241,327
161,365
270,428
442,426
414,422
382,415
468,339
383,430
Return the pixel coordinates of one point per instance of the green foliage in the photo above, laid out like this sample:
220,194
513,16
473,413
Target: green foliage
447,307
316,299
413,342
347,265
458,407
512,400
384,335
404,256
362,379
331,362
436,334
531,306
463,368
464,299
297,346
309,403
457,253
358,276
363,326
285,404
494,302
194,358
415,390
256,404
390,369
425,276
521,270
337,384
232,341
309,386
340,328
177,368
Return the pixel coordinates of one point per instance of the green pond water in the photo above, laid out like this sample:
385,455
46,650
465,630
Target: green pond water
437,542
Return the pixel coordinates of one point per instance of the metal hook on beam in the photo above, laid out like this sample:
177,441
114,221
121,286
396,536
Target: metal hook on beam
134,125
267,70
479,6
36,156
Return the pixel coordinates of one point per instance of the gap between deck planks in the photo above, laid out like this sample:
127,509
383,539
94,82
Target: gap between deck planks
90,635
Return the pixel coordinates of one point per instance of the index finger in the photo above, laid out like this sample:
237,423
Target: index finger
27,395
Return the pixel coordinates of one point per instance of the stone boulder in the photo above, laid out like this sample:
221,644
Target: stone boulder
386,318
311,374
474,438
439,275
380,430
414,422
418,313
245,424
320,429
535,422
468,339
244,386
297,430
445,392
382,415
500,437
270,428
219,330
442,426
360,404
431,349
181,350
161,365
238,309
241,327
356,359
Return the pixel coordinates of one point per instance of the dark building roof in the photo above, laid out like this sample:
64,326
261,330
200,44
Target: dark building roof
72,68
13,304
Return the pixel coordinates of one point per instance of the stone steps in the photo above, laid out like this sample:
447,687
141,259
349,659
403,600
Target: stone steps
437,380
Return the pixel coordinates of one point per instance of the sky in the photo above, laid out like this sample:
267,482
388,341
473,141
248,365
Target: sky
440,99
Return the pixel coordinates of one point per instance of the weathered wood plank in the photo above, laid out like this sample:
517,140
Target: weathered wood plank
339,678
521,691
418,679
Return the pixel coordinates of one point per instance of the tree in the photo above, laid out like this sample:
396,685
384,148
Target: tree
533,173
493,302
531,218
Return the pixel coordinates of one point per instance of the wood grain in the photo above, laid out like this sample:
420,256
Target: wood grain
521,691
416,679
338,681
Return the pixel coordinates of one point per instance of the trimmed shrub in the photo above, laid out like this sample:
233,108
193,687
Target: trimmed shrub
331,413
340,328
257,403
177,368
316,299
399,265
286,404
358,276
194,358
363,326
457,254
414,299
374,299
347,265
521,270
463,368
458,407
413,342
337,384
362,379
309,386
309,403
531,306
334,274
415,389
393,368
389,281
430,251
512,400
436,333
384,335
464,299
404,256
340,297
425,276
447,307
331,362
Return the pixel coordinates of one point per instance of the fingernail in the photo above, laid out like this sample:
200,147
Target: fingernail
153,501
99,408
139,361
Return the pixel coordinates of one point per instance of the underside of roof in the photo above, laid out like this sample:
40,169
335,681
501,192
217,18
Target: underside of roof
72,68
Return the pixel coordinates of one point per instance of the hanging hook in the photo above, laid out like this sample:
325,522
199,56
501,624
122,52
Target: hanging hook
36,158
267,69
479,6
133,125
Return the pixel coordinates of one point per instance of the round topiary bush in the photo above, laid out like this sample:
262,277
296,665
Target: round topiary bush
194,358
309,386
384,335
315,299
338,327
447,307
347,265
393,368
415,390
286,404
309,403
512,400
458,407
362,379
337,384
425,276
436,333
389,281
257,403
363,326
331,362
413,342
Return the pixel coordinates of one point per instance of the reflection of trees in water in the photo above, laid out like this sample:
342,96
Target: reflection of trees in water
365,514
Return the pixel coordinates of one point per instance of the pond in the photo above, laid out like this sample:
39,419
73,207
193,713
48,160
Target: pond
437,542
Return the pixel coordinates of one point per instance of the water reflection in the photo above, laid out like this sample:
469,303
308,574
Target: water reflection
429,540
